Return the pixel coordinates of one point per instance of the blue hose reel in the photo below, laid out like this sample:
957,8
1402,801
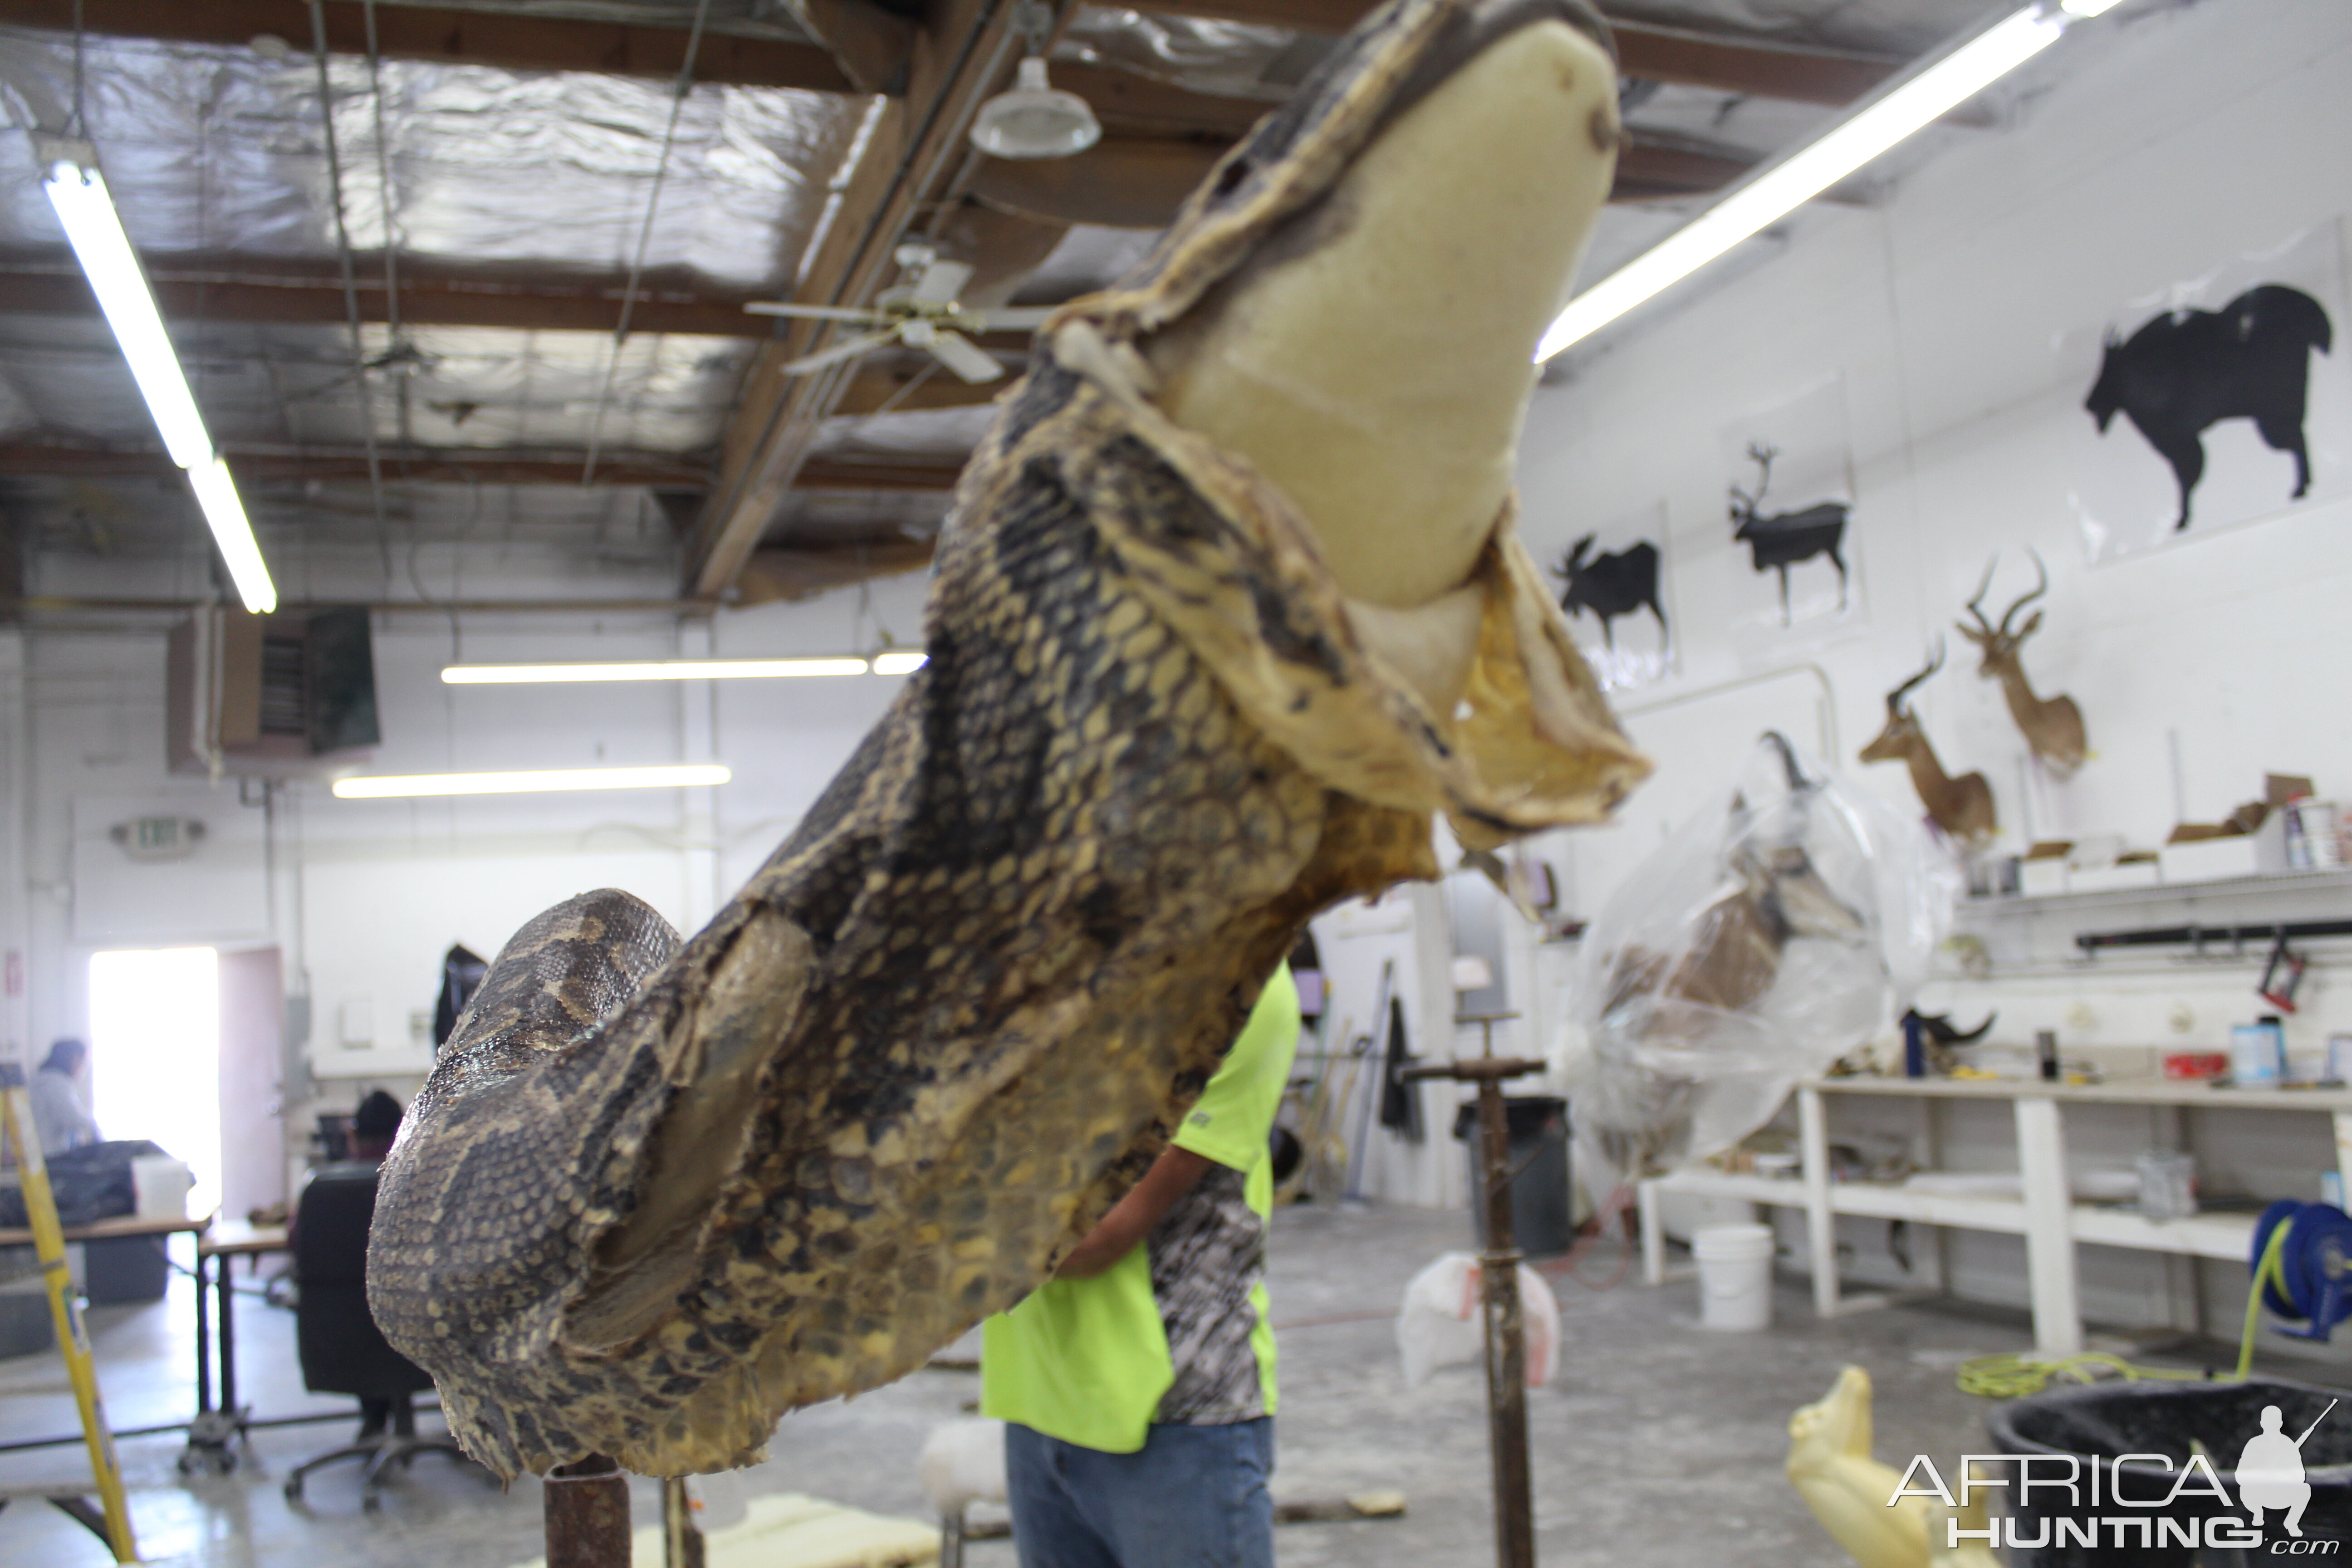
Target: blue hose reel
2305,1272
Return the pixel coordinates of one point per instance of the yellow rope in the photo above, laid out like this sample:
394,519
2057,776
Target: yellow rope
2015,1376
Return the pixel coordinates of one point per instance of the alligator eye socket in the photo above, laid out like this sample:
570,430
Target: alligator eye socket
1230,178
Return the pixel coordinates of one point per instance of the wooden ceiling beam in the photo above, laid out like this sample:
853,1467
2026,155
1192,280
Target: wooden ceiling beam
964,50
1683,56
433,293
458,465
804,571
866,51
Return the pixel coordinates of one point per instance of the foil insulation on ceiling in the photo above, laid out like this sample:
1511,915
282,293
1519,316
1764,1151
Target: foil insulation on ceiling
218,149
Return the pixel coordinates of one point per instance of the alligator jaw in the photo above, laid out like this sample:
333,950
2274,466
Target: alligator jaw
1374,360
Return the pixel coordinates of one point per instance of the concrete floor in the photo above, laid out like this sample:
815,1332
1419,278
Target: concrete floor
1657,1444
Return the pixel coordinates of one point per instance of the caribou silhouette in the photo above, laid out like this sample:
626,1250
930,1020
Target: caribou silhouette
1611,586
1780,540
2184,372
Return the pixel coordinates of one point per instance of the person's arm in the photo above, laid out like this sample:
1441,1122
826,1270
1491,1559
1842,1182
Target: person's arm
1131,1218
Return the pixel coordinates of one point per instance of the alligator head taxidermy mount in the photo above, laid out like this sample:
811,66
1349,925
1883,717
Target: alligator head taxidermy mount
1229,605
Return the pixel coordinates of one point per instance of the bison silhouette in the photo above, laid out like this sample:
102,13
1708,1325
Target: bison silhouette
2186,371
1611,586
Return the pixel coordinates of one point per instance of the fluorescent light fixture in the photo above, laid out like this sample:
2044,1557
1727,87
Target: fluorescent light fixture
1774,192
543,783
86,209
898,663
240,552
649,669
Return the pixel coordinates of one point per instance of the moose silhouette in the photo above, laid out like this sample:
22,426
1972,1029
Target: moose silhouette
1611,586
2186,371
1777,540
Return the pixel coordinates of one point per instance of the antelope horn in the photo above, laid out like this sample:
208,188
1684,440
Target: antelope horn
1976,605
1935,662
2040,588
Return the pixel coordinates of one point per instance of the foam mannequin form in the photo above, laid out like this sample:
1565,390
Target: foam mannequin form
1831,1465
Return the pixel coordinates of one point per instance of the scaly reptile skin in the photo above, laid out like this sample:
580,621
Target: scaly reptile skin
654,1197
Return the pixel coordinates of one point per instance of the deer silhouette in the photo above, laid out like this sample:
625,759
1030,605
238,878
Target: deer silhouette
2052,726
1777,540
1962,806
2184,372
1611,586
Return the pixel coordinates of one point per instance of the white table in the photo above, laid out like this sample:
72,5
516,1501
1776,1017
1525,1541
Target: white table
2046,1216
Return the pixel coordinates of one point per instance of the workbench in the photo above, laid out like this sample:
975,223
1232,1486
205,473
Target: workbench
2045,1215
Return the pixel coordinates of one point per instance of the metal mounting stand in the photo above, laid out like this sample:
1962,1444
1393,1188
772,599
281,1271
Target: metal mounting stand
1499,1274
587,1509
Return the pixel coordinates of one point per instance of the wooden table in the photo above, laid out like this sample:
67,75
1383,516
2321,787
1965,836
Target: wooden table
213,1434
110,1230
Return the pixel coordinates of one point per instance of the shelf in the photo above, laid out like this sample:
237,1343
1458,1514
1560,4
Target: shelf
1779,1192
2108,897
2122,1091
2229,1237
1877,1202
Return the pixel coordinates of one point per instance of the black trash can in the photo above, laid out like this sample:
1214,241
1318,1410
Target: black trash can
1538,1124
2151,1423
124,1270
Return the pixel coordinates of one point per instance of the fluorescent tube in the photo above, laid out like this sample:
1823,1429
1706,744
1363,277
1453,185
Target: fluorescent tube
216,494
649,669
1774,192
86,210
898,663
547,781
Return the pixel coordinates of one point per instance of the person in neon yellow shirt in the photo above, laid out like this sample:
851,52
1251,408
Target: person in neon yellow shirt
1136,1384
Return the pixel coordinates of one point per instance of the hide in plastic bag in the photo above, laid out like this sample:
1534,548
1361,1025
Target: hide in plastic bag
1768,937
1443,1322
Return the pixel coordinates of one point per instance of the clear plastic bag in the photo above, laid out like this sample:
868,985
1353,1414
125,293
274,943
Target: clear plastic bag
1442,1322
1769,936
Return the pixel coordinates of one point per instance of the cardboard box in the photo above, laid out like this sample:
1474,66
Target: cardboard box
2208,859
2040,878
2128,875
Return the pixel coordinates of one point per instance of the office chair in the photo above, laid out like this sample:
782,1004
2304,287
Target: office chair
341,1349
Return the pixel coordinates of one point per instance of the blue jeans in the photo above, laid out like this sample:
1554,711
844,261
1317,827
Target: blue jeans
1191,1496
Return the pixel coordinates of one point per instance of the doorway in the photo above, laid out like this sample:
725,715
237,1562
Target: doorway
154,1050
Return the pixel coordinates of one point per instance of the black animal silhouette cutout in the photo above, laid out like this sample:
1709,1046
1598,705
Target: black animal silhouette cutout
1611,586
2186,371
1780,540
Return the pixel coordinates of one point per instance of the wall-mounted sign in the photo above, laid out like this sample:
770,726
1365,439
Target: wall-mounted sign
158,838
2212,401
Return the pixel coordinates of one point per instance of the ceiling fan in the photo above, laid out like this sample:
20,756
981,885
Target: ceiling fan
920,314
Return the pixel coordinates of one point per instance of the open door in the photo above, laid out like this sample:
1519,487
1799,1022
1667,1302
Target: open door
252,1107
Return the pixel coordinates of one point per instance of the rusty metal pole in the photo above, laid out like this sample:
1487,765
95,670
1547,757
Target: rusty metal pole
682,1545
587,1511
1498,1273
1506,1344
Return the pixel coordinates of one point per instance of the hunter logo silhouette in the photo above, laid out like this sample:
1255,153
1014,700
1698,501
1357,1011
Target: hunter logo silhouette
2270,1471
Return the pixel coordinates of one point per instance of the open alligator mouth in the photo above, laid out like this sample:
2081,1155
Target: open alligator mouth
1215,628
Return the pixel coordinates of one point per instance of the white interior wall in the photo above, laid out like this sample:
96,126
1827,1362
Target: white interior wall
369,893
2181,138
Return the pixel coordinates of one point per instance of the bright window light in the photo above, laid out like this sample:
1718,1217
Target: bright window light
86,210
649,669
546,782
155,1056
897,663
1774,192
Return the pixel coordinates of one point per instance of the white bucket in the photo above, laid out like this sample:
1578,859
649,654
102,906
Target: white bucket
160,1185
1735,1276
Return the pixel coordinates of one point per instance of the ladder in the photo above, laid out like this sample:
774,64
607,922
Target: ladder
65,1308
